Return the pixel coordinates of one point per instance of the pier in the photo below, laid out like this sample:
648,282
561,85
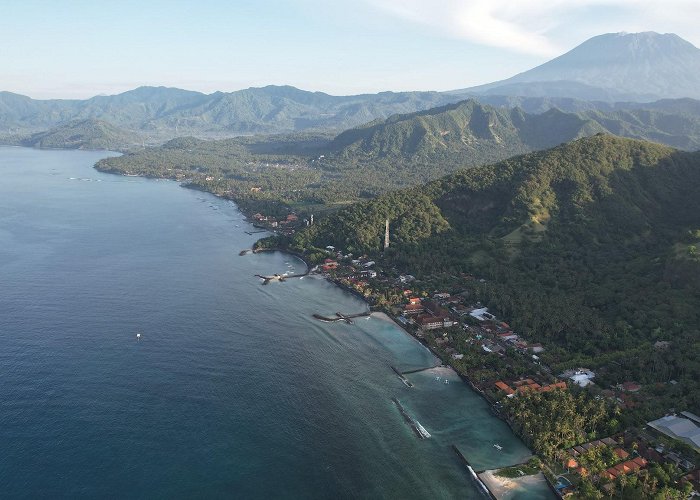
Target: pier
274,277
340,316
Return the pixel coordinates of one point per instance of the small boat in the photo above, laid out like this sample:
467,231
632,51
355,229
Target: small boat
498,447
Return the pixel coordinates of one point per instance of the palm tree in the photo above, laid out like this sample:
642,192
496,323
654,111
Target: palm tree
622,479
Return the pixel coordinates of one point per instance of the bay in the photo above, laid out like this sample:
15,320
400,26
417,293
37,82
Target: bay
233,390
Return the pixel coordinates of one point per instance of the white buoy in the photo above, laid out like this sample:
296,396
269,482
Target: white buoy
138,336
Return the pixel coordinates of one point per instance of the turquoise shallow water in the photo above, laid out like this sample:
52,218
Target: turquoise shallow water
232,391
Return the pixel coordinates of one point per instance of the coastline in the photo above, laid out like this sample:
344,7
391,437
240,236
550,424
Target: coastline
381,313
506,488
288,252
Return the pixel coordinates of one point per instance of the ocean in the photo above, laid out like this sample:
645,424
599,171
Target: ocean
233,390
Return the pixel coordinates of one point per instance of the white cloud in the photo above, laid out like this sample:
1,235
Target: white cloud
544,27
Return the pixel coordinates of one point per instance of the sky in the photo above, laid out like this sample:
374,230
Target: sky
78,49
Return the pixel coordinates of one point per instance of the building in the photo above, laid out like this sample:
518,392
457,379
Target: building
682,428
432,322
429,322
411,309
630,387
502,386
581,376
481,314
329,265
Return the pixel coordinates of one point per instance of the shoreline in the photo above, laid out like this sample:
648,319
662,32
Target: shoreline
380,312
284,251
506,488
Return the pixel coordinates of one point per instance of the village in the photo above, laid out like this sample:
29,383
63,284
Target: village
501,364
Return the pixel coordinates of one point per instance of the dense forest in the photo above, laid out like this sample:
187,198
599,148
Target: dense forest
318,172
590,247
80,134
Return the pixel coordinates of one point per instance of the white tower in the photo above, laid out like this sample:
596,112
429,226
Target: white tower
386,235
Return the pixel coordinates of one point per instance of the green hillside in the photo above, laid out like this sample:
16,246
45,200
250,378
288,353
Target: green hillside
466,133
590,246
313,170
399,152
84,134
470,133
170,112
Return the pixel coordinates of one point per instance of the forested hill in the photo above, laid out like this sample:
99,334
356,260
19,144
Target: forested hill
174,112
591,246
401,151
82,134
465,128
469,133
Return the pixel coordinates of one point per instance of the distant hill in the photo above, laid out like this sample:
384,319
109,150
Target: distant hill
82,134
591,246
401,151
467,133
595,76
471,133
174,112
612,67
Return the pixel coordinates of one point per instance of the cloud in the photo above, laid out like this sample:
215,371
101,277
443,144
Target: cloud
543,27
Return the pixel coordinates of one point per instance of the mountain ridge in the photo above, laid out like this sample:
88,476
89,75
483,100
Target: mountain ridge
606,69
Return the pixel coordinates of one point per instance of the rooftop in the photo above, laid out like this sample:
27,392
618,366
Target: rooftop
683,429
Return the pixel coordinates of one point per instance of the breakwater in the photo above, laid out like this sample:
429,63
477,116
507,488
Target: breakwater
413,423
406,382
481,486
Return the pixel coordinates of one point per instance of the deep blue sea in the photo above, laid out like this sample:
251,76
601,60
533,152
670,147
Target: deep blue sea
233,390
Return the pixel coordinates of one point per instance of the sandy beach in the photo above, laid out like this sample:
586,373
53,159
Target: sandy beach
504,488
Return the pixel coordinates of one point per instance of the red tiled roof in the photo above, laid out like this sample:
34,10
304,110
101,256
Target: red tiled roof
504,387
413,307
610,473
631,387
571,464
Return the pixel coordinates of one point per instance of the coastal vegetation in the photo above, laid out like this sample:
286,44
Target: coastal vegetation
321,172
527,469
588,247
555,420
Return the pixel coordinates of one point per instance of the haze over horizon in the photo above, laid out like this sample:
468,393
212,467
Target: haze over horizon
340,48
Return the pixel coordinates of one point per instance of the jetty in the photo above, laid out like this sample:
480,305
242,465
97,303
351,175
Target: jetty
418,370
340,316
274,277
406,382
282,278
